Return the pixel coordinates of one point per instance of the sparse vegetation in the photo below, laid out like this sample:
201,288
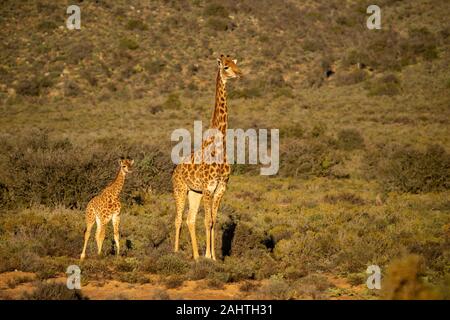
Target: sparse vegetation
54,291
388,85
403,281
173,282
135,24
128,43
172,101
350,139
407,169
277,289
363,115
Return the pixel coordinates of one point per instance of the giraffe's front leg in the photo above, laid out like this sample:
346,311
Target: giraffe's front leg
180,191
218,195
194,199
207,202
116,223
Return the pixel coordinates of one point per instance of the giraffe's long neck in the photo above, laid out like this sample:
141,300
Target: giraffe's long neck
116,186
220,116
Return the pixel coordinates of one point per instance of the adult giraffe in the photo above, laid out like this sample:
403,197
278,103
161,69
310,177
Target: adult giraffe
205,179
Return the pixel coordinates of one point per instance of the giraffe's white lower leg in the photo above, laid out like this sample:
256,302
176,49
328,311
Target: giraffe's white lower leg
194,203
207,202
87,234
100,235
218,195
213,251
116,223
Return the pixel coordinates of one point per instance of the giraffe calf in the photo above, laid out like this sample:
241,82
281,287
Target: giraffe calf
105,207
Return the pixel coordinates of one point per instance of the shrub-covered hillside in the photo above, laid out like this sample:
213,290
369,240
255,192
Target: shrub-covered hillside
134,49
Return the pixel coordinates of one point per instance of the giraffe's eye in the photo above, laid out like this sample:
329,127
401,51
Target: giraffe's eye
225,68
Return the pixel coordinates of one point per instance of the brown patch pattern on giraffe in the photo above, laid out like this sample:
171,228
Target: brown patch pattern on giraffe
205,181
105,207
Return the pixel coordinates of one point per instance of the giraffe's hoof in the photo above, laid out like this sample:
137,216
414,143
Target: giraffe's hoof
82,257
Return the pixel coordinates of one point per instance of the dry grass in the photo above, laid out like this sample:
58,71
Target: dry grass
120,89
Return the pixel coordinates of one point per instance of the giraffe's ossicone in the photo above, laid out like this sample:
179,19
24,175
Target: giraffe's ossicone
205,180
105,207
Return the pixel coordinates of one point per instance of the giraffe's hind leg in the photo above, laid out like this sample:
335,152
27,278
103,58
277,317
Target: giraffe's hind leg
90,219
100,234
116,222
179,191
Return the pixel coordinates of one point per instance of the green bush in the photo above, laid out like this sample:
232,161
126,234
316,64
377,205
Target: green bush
246,93
388,85
422,42
215,283
277,289
307,158
154,67
239,268
390,50
313,44
352,77
403,280
215,9
292,131
344,197
33,86
78,51
313,286
354,57
171,264
173,101
71,89
47,26
135,24
128,43
406,169
248,286
173,282
53,291
247,239
217,24
55,172
203,269
30,234
350,139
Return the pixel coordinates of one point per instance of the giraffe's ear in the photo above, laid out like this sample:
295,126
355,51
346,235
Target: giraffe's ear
235,61
132,161
219,62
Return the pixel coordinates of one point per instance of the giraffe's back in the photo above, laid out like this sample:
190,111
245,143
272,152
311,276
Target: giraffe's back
195,176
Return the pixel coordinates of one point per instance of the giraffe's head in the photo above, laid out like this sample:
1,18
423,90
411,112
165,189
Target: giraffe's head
228,67
126,165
